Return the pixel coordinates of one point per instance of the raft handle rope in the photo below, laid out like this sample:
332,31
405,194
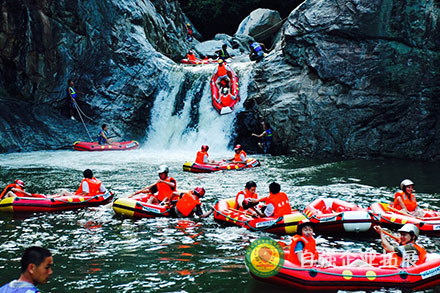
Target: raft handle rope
82,120
105,196
150,211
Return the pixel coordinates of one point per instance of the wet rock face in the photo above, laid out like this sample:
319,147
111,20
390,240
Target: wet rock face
116,52
354,79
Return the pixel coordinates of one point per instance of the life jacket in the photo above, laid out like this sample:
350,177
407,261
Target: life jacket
187,203
189,31
94,185
237,156
164,190
280,203
101,140
257,47
8,188
223,54
191,57
226,100
200,158
397,260
246,195
409,201
309,251
72,92
221,70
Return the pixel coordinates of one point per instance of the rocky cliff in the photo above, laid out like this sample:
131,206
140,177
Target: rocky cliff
352,79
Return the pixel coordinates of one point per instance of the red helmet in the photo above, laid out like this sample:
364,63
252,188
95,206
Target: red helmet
237,147
19,182
205,148
199,191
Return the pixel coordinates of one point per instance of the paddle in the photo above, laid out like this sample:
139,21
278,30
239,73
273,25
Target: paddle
391,235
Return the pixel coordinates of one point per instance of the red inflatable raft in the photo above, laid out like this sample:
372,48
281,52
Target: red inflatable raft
341,276
215,95
137,207
226,214
387,216
219,166
41,203
114,146
335,216
198,61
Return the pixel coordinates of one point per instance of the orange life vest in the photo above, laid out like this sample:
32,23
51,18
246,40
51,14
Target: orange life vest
281,204
309,250
409,201
237,156
8,188
164,190
221,70
226,100
201,156
94,185
191,57
397,260
187,203
246,194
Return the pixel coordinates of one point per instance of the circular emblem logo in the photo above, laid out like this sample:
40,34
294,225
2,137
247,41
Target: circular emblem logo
265,257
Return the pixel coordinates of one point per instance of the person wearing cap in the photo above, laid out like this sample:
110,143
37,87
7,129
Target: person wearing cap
161,191
240,155
222,74
189,31
14,189
189,204
202,156
405,200
36,268
277,202
407,252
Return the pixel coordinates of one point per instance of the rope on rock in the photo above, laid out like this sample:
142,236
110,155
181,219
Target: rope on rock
82,120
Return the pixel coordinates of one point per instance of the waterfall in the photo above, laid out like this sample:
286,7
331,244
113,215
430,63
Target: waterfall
183,118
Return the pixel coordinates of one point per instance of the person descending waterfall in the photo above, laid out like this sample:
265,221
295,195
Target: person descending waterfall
189,32
222,75
277,202
14,189
202,156
240,155
189,204
223,53
257,50
191,56
266,137
161,191
405,200
103,137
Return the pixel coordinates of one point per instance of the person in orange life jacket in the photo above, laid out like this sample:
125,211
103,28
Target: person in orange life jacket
89,186
163,189
266,137
189,204
222,74
240,155
407,253
103,137
248,199
277,203
36,268
225,97
405,200
202,156
14,189
189,36
191,56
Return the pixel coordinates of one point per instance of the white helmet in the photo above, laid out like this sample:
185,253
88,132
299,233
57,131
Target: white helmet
406,183
411,229
163,169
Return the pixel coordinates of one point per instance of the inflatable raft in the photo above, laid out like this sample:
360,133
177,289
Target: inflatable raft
198,61
341,276
335,216
41,203
137,207
226,214
215,94
218,166
96,147
392,218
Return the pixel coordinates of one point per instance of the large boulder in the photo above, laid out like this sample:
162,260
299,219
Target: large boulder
261,24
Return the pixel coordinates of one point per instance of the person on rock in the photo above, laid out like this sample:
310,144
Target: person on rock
257,50
240,155
266,137
72,94
405,200
277,202
36,268
202,156
247,199
223,53
407,252
189,32
161,191
103,137
189,204
15,189
222,75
